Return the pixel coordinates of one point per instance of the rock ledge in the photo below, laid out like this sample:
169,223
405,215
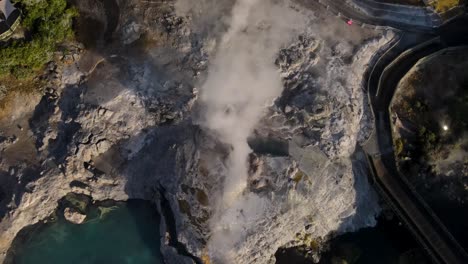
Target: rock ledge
73,216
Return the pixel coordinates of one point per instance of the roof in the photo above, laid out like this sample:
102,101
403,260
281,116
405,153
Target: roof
10,24
6,7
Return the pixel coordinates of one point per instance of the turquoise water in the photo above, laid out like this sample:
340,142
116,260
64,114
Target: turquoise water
127,233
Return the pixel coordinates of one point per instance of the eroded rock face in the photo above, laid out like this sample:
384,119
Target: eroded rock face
93,117
73,216
303,177
116,122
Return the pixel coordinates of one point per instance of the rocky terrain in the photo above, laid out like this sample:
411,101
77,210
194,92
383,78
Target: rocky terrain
120,117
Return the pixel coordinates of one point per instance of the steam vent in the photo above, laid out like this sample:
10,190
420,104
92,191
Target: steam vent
233,131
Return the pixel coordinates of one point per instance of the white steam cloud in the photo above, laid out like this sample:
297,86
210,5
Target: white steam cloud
242,81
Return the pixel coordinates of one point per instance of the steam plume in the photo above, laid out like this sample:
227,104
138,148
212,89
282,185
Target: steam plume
243,79
241,82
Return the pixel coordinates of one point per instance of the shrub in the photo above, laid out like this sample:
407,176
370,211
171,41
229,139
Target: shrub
421,131
429,141
458,108
47,23
444,5
399,146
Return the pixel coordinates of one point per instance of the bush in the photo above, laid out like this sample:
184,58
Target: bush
428,139
48,23
441,6
458,108
399,146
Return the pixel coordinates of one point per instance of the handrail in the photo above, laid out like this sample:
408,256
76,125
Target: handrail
401,57
431,219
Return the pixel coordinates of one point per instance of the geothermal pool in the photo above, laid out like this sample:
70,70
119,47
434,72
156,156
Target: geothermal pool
125,233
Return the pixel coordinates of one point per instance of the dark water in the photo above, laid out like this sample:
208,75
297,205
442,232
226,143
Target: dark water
455,217
126,233
389,242
129,233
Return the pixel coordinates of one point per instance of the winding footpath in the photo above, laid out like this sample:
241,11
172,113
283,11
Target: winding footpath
405,201
397,18
413,44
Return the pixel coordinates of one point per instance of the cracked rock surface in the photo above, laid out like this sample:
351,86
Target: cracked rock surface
115,120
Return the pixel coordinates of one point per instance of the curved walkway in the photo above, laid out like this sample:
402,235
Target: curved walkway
347,10
382,80
394,188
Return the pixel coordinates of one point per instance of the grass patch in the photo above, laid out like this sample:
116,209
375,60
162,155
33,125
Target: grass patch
47,23
11,87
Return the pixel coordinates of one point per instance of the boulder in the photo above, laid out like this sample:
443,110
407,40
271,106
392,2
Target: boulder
73,216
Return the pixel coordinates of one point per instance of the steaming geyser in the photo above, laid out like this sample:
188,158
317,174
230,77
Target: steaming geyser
242,81
133,123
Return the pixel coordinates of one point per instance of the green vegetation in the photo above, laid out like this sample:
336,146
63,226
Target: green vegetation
441,6
47,24
458,109
427,138
298,176
418,113
104,210
435,127
308,241
399,146
79,202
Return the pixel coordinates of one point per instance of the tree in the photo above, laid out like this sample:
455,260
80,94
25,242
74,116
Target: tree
48,23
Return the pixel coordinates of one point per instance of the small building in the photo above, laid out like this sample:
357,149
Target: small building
9,19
